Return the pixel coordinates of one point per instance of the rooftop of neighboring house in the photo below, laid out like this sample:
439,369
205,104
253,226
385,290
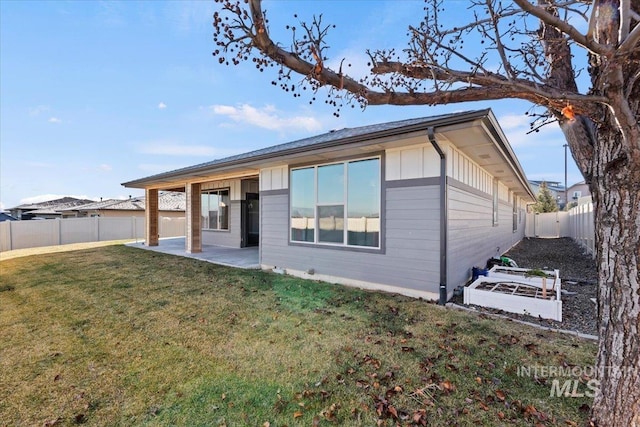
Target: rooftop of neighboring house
551,185
4,216
51,205
167,201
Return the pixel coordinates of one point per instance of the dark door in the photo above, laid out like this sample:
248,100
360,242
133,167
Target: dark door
252,219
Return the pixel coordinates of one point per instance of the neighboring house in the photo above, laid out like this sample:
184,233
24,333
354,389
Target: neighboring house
6,217
578,190
48,210
171,205
556,189
408,206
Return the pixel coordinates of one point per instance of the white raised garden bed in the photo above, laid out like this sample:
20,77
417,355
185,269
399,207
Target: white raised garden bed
515,295
550,280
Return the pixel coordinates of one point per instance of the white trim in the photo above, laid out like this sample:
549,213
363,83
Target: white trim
345,204
217,191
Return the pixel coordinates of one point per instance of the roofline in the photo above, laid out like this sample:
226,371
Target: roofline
485,115
508,152
436,122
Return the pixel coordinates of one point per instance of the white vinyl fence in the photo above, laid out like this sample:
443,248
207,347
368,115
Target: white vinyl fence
581,223
52,232
547,225
577,223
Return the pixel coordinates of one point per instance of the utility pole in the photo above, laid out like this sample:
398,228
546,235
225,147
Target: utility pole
566,190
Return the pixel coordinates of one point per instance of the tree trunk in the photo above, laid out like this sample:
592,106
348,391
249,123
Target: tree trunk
615,188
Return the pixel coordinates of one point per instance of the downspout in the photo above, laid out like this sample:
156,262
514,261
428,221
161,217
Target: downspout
443,216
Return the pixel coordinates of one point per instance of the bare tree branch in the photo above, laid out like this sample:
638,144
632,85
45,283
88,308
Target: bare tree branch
564,26
631,41
523,87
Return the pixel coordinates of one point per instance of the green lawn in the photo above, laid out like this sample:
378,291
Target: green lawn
121,336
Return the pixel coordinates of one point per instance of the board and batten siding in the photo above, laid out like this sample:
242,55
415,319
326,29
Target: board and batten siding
276,178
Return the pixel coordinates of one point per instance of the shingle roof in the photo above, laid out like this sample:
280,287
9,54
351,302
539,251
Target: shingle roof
6,217
332,137
167,201
96,205
56,205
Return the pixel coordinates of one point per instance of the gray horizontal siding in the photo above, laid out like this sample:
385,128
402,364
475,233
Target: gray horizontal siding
411,251
472,238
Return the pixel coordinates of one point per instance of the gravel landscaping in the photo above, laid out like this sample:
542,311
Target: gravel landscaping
579,281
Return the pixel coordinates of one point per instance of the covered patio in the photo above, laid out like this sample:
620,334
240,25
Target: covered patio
247,258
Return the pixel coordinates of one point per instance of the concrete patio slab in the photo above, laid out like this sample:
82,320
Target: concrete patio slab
247,258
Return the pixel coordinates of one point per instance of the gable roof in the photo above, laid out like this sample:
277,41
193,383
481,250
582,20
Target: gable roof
345,137
167,201
53,205
6,217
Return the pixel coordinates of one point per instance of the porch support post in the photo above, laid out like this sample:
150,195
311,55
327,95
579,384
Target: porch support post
193,239
152,234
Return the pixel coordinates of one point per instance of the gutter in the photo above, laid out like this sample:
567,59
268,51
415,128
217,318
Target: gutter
443,215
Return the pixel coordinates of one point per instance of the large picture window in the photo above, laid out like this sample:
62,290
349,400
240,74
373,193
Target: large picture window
215,209
339,200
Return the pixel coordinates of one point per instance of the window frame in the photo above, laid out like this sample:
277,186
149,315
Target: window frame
515,213
218,192
496,203
345,205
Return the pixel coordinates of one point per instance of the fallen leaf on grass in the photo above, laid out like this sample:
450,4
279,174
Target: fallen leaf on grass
500,395
447,386
297,414
529,411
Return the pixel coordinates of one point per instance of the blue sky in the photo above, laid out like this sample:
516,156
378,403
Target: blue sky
96,93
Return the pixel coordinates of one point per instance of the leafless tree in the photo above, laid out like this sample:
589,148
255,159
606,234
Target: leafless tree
524,50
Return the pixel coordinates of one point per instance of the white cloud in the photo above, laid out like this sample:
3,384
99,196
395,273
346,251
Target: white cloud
189,15
267,117
174,148
54,120
518,131
40,165
105,168
38,110
511,121
162,106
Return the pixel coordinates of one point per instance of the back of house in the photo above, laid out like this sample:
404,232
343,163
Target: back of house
408,206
